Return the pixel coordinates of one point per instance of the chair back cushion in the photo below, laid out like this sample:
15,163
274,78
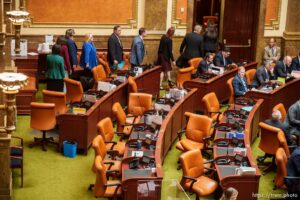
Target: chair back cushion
198,127
139,103
106,129
211,103
192,163
269,142
120,115
184,74
42,116
74,90
101,180
58,98
250,75
231,91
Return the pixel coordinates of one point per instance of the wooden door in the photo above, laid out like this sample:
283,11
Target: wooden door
205,8
239,28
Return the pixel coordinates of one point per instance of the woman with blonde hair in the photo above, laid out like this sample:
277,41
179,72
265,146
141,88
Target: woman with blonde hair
88,58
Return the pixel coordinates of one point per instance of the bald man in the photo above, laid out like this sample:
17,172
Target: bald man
272,51
191,46
283,68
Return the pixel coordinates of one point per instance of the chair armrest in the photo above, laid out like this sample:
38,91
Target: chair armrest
209,161
114,184
16,137
121,134
206,138
210,169
206,141
111,142
110,164
112,153
112,171
193,181
179,133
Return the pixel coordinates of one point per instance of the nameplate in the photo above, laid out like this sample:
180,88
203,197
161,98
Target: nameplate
79,110
137,153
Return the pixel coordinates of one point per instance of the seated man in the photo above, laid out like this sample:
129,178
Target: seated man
239,83
263,75
205,65
283,68
222,58
276,122
272,51
293,169
293,119
296,63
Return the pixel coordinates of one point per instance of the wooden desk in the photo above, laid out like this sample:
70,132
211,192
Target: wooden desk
173,122
246,185
83,128
216,84
286,94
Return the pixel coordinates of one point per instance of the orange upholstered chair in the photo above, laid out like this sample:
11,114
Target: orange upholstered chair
212,106
74,90
280,107
43,118
100,150
207,19
250,75
126,58
138,103
184,74
58,98
124,123
281,161
104,187
197,133
106,130
194,62
99,74
132,86
231,91
193,178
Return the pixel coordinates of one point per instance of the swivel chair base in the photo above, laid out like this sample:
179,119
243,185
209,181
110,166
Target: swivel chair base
43,141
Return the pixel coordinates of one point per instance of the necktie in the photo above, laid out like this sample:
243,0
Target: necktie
267,75
273,51
224,61
244,84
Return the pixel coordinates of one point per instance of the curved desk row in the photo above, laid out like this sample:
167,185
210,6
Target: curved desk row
83,128
216,84
148,186
247,185
286,94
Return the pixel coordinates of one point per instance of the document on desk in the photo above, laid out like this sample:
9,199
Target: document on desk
137,153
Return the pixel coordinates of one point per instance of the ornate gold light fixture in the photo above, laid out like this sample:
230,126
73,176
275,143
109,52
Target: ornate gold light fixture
18,17
10,84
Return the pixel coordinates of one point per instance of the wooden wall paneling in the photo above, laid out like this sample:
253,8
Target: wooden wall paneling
155,14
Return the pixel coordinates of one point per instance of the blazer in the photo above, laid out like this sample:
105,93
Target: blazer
296,63
72,48
165,47
260,77
192,46
293,169
88,56
203,67
55,67
137,51
219,61
293,118
238,87
281,70
114,49
64,52
269,54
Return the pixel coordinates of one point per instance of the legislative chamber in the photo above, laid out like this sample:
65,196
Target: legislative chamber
149,100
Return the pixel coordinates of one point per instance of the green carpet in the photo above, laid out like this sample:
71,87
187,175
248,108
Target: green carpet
51,176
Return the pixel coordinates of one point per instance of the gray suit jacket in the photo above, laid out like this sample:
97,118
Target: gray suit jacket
293,118
137,51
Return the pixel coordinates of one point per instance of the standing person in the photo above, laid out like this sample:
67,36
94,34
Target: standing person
88,58
191,47
272,51
72,48
114,48
138,48
55,70
165,54
64,52
210,39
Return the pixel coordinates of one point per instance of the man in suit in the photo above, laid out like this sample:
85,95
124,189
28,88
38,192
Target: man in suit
138,48
191,46
263,75
296,63
239,83
72,48
272,51
222,58
293,170
293,119
115,48
205,65
283,68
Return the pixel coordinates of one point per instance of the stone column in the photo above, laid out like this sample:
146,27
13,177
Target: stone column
5,175
291,35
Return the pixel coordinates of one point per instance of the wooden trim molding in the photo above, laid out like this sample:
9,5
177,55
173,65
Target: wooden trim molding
274,23
177,22
130,24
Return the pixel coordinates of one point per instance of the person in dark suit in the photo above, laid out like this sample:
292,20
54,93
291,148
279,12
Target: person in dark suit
222,58
210,39
296,63
293,119
283,68
263,75
239,83
138,48
72,48
165,54
191,46
293,170
205,65
114,48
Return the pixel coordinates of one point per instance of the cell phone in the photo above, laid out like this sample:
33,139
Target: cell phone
134,163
